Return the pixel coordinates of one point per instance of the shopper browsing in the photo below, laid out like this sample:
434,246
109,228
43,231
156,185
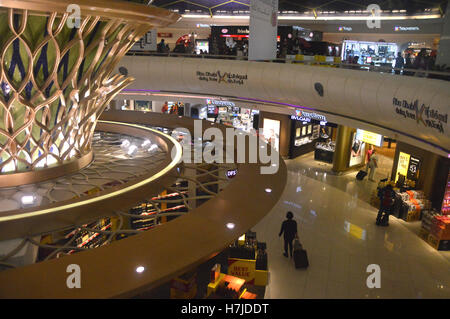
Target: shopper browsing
289,228
387,196
373,164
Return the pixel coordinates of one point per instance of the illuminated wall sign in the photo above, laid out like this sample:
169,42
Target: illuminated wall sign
164,34
343,28
369,137
308,116
400,28
421,114
243,31
222,77
220,103
413,168
202,25
403,165
231,173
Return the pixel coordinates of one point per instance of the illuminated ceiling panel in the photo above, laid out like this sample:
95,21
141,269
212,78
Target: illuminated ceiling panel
216,6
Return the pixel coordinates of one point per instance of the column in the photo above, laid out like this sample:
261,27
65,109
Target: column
157,106
263,30
443,54
342,151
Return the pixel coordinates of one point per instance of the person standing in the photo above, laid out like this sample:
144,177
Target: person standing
161,46
408,65
165,108
399,63
289,229
387,197
373,164
421,63
368,155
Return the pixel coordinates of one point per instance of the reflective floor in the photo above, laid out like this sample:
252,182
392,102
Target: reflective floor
337,228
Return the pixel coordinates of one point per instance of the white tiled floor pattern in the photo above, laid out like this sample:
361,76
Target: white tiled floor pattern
322,205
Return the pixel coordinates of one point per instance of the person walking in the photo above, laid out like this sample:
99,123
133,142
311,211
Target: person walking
373,164
387,198
289,229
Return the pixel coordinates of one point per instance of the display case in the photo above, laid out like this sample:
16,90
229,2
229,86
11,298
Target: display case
325,151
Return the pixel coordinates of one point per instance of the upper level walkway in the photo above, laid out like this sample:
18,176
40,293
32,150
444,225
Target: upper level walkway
412,109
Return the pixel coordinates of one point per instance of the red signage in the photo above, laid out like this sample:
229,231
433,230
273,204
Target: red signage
164,35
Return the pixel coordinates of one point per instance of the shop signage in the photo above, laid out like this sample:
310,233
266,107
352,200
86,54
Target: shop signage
343,28
220,103
423,114
243,31
400,28
231,173
222,77
202,25
369,137
403,164
308,116
242,268
413,168
164,35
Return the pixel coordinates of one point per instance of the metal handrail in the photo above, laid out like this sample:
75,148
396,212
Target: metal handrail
360,67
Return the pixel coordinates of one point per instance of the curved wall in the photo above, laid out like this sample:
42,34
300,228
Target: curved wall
373,98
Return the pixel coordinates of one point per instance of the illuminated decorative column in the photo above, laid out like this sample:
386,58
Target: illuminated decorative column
55,80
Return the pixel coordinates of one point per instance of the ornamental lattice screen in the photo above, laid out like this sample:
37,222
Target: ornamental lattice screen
54,83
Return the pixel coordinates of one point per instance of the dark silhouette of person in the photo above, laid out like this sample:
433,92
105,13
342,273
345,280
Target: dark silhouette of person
387,197
408,65
399,63
289,228
161,47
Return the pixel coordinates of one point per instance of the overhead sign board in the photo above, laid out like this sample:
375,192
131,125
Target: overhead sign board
369,137
303,116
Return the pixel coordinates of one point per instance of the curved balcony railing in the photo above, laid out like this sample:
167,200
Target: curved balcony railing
442,75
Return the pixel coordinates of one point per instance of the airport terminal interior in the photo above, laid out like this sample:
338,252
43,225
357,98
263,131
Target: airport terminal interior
213,149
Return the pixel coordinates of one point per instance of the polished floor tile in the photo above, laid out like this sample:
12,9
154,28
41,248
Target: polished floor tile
337,228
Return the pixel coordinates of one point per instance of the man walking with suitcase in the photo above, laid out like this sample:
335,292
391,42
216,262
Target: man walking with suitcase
289,228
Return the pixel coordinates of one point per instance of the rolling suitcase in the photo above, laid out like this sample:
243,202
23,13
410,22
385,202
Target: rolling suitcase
361,174
300,256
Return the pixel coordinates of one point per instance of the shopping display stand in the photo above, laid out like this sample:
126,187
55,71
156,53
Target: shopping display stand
247,272
184,286
410,204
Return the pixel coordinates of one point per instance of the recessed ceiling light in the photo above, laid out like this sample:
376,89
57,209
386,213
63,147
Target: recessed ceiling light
132,150
140,269
27,199
268,190
230,225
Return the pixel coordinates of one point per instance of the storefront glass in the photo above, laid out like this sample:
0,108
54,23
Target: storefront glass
377,53
271,131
